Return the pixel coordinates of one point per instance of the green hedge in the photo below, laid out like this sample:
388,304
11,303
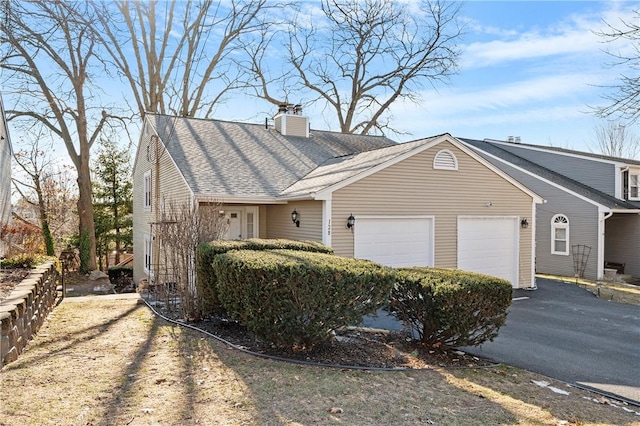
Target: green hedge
294,299
206,277
451,307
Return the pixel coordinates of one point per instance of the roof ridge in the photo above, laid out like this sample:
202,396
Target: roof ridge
247,123
569,151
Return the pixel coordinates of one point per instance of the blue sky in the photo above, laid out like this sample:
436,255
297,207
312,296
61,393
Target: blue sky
528,69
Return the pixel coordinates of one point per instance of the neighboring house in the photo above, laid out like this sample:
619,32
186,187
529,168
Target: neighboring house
5,176
430,202
590,201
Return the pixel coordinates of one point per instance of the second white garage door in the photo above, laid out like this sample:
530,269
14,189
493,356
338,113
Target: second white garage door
489,245
395,240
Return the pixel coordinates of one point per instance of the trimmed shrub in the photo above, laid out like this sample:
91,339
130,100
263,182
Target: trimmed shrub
451,307
121,277
206,277
294,299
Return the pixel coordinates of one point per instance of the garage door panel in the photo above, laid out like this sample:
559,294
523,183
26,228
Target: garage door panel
395,241
489,245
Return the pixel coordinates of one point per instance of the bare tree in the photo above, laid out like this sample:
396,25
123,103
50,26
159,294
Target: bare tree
616,140
182,228
624,99
49,66
174,55
36,166
45,190
361,56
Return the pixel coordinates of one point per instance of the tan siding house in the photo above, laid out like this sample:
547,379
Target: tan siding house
412,187
430,202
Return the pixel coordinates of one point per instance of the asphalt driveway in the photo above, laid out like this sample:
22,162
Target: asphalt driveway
565,332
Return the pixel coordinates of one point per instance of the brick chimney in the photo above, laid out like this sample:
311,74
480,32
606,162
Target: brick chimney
290,122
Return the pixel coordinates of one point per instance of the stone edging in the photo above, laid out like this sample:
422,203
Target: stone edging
25,309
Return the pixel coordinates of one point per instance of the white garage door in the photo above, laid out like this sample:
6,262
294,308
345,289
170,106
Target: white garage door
395,240
489,245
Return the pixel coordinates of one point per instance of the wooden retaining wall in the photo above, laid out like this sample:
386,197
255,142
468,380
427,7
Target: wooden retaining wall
25,309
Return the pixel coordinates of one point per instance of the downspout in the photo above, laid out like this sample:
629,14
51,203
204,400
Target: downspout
601,243
327,209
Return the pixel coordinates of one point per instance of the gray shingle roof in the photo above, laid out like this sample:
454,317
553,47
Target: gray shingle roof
579,188
580,153
221,158
339,169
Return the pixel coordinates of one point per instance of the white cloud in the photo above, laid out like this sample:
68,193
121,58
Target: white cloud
570,36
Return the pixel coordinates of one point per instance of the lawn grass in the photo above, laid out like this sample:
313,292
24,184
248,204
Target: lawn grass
112,362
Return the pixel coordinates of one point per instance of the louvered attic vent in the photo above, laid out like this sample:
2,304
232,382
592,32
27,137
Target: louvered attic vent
445,160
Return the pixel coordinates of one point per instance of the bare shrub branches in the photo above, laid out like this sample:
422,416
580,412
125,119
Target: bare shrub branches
182,227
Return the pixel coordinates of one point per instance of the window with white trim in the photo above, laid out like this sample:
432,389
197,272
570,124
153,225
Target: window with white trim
445,160
147,253
634,180
147,190
560,235
250,228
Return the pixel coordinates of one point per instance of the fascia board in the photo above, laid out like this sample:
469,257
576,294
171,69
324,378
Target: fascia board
226,199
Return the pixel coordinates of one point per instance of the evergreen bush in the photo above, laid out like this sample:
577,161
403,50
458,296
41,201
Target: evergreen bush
294,299
206,252
451,307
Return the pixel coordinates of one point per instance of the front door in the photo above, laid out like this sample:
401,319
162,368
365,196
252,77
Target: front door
234,219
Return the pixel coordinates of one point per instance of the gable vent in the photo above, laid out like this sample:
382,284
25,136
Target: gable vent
445,160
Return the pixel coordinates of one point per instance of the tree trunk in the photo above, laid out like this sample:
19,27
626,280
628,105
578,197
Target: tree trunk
85,214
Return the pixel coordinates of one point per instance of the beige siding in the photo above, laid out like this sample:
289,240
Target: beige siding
262,220
279,224
172,189
296,125
413,187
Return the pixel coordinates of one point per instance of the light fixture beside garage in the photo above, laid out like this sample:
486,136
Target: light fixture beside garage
295,218
524,223
351,221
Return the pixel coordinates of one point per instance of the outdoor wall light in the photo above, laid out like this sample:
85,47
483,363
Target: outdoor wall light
524,223
294,218
351,221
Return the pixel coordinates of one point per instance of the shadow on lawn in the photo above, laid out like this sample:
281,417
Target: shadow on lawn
120,396
73,338
280,393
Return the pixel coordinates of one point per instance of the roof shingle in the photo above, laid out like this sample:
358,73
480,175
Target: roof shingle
221,158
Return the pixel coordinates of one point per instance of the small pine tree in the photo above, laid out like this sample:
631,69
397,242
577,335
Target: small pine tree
113,200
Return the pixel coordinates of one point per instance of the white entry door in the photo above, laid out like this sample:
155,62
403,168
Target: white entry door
489,245
242,223
395,240
234,218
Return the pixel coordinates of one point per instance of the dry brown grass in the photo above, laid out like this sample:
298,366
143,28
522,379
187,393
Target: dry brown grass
111,362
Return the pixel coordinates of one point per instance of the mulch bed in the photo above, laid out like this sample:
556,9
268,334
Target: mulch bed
352,346
358,347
